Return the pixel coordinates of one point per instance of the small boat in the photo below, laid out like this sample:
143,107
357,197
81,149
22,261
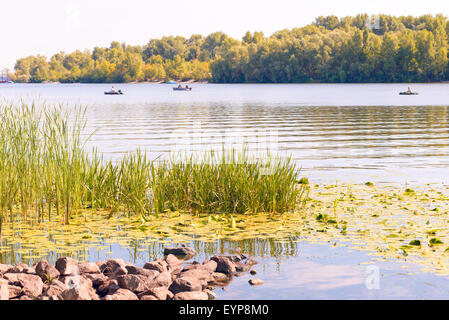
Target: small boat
119,92
408,93
171,82
182,89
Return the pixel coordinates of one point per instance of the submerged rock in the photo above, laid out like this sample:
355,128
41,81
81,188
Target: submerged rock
256,282
224,264
180,251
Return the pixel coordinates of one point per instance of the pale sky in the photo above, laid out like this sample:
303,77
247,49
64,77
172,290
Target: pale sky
49,26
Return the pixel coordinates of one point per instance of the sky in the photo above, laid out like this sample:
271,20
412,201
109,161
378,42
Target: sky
49,26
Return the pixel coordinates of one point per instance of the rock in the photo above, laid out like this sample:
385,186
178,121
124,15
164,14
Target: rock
108,287
241,267
173,262
55,288
198,273
160,293
114,268
4,268
14,292
77,293
46,271
164,279
31,285
142,271
20,268
120,271
97,279
122,294
186,284
180,251
149,297
218,276
211,295
4,291
194,295
88,267
133,282
234,257
100,263
253,272
25,298
224,265
210,265
159,265
67,266
53,298
255,282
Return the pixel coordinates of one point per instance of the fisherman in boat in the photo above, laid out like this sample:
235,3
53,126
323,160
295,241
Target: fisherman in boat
187,87
113,89
179,86
409,90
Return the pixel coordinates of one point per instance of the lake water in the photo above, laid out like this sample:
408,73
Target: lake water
349,132
346,132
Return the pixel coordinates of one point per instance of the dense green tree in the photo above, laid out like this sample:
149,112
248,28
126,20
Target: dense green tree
363,48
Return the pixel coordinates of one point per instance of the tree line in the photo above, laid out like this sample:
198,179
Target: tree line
350,49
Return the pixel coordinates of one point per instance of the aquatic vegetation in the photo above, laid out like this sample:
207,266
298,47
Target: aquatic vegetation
46,173
379,220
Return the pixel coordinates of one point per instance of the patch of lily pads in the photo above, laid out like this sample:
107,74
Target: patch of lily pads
391,222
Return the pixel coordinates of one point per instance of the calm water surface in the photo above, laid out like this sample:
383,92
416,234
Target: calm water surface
347,132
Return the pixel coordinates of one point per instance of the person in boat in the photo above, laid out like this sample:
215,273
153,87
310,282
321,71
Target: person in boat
113,89
187,87
179,86
409,90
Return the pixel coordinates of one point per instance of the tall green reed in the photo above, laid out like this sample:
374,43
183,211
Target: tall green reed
46,173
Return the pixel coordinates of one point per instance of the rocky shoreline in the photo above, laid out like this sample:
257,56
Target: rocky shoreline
170,278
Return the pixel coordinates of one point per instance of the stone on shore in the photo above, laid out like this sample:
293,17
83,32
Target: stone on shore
158,265
133,282
4,268
186,284
160,293
200,273
31,285
193,295
162,279
88,267
46,271
210,265
122,294
67,266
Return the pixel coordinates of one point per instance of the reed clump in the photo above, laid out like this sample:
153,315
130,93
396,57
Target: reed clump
46,173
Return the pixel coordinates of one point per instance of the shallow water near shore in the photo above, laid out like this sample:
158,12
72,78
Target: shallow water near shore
351,133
